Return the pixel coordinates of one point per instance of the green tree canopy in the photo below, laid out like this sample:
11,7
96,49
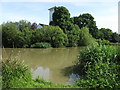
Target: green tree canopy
106,34
72,32
51,34
60,16
11,36
23,24
86,20
85,37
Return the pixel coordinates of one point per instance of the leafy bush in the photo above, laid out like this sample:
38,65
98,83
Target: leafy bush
100,65
103,42
41,45
15,74
115,44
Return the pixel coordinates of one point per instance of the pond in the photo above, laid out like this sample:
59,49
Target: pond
46,63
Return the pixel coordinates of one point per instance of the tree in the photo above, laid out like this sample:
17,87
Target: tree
11,36
115,37
14,36
60,16
50,34
106,34
85,37
22,24
72,32
86,20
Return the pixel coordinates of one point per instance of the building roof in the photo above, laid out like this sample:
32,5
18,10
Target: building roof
43,24
51,8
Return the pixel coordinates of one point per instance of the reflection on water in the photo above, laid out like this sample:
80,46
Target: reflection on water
45,72
73,78
47,63
41,72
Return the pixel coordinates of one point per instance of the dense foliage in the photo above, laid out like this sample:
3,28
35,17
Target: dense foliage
103,42
25,37
50,34
14,36
76,37
86,20
69,33
15,74
41,45
61,18
107,34
100,67
72,31
85,37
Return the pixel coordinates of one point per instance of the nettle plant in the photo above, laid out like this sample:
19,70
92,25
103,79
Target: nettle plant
100,65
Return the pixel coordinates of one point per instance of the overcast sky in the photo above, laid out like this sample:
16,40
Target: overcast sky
105,12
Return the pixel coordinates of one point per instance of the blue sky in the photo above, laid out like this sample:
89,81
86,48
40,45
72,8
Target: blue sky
105,13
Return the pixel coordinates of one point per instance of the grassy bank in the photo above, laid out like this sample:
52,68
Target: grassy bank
97,65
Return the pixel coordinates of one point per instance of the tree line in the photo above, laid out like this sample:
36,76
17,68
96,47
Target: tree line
61,17
63,31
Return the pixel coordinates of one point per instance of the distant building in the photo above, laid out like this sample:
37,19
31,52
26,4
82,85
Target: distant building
51,11
34,26
39,26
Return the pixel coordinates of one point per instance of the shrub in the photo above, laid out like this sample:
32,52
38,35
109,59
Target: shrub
100,65
15,74
103,42
115,44
41,45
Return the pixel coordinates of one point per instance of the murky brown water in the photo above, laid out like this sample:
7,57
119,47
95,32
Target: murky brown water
47,63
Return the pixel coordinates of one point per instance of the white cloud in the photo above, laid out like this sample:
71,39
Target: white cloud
107,22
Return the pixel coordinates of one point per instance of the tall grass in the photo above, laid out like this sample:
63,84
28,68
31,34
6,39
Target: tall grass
15,74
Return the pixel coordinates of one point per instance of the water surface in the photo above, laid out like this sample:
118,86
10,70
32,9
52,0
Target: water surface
46,63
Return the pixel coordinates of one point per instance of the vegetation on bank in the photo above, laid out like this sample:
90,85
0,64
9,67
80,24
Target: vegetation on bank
63,31
17,75
97,65
61,18
41,45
